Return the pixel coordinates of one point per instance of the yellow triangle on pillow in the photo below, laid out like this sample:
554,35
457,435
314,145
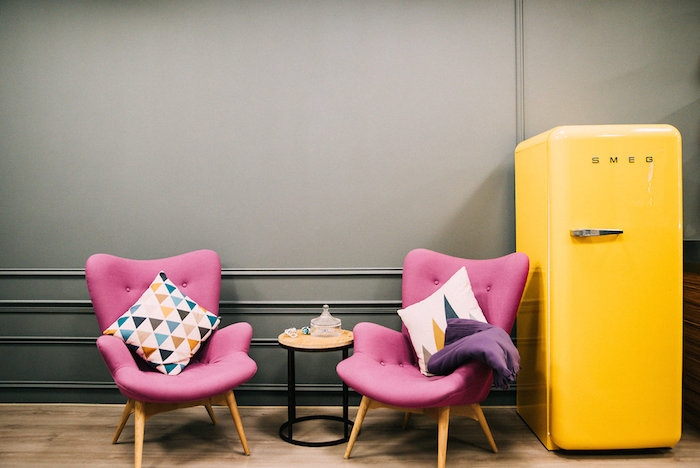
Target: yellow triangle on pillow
439,336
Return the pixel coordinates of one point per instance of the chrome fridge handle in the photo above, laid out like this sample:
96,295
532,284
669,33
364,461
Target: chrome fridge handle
594,232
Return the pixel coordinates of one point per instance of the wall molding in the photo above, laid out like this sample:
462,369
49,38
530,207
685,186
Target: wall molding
49,384
225,272
251,387
519,72
88,340
290,307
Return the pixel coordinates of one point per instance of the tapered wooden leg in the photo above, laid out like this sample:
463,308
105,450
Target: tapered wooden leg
231,402
443,427
210,410
364,406
128,409
406,418
484,426
139,427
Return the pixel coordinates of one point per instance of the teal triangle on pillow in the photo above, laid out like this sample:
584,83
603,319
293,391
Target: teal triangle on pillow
191,304
170,367
134,308
170,288
172,325
121,320
449,311
212,319
160,338
125,333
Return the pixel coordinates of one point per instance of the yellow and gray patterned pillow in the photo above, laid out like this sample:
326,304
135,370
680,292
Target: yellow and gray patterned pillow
426,320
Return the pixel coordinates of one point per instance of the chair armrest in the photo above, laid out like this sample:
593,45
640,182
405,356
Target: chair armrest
382,343
115,353
230,339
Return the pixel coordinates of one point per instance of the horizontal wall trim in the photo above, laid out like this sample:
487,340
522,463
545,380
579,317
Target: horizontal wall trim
300,387
87,340
91,341
44,272
225,272
312,303
246,387
48,340
85,305
55,384
388,271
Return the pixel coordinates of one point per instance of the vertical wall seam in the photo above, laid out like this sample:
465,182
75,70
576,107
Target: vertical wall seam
519,73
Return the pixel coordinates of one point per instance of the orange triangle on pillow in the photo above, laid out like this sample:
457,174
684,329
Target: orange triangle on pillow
148,351
193,343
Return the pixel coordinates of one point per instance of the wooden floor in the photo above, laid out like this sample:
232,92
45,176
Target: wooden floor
74,435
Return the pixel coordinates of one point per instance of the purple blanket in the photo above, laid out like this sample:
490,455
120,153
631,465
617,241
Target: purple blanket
470,339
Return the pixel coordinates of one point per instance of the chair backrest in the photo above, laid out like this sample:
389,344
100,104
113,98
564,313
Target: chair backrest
116,283
497,283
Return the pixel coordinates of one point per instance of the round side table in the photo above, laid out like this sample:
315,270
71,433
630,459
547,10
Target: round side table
308,343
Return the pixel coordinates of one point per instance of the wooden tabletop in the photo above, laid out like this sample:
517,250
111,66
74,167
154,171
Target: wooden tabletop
316,342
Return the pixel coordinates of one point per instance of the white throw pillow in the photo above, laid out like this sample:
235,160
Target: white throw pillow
426,320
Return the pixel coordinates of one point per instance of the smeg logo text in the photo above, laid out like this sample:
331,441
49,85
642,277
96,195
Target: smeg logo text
629,159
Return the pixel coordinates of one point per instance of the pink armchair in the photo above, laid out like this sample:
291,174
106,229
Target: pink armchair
383,366
220,365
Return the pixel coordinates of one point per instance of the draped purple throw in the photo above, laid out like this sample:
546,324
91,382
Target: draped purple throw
470,339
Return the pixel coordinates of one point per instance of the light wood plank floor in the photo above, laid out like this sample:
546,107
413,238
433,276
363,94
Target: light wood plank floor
34,435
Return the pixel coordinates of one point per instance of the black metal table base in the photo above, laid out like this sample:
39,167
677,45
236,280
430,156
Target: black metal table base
287,429
286,438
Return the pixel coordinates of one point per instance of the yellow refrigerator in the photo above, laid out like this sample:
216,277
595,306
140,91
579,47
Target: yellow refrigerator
600,327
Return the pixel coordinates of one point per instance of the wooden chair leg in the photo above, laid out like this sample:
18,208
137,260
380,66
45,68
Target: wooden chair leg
210,410
406,418
231,402
364,406
484,426
443,427
139,427
128,409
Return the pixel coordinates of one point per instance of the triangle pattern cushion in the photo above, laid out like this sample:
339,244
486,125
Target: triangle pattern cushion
426,320
164,327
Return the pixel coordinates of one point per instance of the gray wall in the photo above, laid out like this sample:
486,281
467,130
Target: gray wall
292,137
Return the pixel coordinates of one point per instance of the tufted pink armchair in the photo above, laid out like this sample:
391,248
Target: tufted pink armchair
220,365
383,366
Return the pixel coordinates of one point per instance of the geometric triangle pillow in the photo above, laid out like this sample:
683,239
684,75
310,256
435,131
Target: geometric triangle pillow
164,327
426,320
